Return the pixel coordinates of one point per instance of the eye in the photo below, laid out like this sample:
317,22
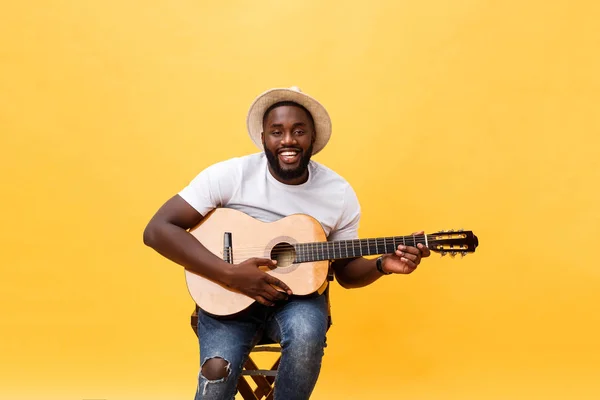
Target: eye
276,133
299,132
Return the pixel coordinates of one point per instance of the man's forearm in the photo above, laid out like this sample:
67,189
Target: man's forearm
357,273
179,246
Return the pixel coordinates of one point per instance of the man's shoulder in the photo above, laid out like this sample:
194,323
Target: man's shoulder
240,162
325,173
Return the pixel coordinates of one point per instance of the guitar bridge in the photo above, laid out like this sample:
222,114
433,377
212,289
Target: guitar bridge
227,248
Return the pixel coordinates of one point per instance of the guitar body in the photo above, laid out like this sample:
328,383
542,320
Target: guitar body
253,238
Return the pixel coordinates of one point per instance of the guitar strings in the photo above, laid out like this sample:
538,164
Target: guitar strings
350,252
354,250
344,243
327,246
351,249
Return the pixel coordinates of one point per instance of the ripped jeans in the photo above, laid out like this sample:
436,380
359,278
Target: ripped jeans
299,325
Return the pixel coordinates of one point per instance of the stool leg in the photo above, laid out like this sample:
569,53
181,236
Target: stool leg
271,379
262,382
270,395
245,390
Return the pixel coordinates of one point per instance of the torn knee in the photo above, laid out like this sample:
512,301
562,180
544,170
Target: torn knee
215,368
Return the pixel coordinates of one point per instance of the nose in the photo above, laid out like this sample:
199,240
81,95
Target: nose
288,139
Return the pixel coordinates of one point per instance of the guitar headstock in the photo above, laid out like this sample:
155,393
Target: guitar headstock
453,242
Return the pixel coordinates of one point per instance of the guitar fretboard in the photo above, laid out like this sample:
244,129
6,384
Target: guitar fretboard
319,251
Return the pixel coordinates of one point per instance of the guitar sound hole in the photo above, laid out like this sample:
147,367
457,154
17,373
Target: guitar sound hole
284,253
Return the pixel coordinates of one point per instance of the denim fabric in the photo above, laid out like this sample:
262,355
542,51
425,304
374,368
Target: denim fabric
299,325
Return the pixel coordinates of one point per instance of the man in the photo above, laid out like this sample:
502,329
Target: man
290,127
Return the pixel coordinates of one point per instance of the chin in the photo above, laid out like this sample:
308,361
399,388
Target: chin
290,169
290,173
286,171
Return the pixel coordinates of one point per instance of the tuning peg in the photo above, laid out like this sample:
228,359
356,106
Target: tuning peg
463,253
453,254
443,253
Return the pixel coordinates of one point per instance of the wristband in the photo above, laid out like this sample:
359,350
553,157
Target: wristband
379,265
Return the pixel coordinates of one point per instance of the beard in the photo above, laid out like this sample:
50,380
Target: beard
287,173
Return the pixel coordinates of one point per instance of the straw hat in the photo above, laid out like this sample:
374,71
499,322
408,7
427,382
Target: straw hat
272,96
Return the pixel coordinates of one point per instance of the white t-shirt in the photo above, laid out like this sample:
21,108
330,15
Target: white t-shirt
246,184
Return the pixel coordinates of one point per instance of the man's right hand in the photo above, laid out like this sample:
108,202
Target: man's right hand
248,279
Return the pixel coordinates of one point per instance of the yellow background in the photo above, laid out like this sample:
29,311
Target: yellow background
480,115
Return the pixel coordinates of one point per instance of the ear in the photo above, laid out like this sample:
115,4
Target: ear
262,137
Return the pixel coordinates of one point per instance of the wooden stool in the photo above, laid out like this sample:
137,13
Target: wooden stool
263,378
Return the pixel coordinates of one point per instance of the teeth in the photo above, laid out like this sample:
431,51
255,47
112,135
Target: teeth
288,153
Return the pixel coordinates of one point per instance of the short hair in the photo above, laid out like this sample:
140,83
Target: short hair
287,103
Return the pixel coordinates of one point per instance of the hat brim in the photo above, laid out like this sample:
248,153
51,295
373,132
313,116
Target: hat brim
265,100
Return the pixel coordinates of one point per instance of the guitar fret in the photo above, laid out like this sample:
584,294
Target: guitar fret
305,253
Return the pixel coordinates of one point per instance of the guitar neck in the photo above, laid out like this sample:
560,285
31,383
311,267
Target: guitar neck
336,250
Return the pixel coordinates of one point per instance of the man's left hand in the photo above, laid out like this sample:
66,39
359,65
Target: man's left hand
406,258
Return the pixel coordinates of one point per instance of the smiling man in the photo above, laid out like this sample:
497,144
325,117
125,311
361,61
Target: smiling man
289,126
288,155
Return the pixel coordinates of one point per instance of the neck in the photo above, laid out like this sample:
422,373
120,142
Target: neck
292,181
317,251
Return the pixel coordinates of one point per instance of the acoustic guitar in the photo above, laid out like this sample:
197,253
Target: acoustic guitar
299,245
